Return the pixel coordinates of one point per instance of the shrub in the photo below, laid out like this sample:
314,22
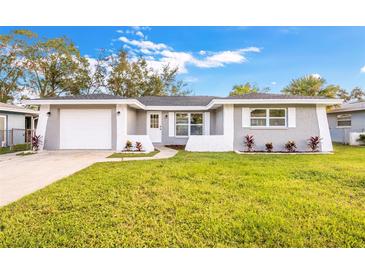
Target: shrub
128,145
36,142
269,147
290,146
361,139
313,142
139,146
249,142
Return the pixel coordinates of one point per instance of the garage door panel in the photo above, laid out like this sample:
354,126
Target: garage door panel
85,129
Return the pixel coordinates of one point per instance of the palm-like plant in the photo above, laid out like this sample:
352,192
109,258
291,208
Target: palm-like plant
249,142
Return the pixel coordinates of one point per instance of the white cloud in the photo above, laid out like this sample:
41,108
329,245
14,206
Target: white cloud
165,55
273,83
316,75
362,69
221,58
190,79
143,44
140,34
141,28
250,49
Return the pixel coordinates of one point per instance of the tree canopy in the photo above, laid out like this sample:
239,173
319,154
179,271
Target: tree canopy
246,88
136,78
310,85
54,67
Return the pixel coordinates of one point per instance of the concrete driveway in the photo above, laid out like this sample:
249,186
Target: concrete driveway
22,175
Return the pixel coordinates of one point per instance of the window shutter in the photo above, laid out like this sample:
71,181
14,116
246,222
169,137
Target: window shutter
206,123
246,117
292,117
171,124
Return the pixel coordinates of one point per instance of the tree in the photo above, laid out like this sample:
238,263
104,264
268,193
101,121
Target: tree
11,63
344,95
357,94
244,89
310,85
98,73
134,78
55,67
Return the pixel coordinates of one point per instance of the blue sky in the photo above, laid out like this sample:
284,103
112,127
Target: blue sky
213,59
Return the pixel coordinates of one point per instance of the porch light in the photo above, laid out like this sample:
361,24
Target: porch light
48,113
118,112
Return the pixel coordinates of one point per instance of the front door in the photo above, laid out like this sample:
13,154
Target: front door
154,126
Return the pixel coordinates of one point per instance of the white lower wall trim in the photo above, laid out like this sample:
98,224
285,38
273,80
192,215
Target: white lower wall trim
353,138
212,143
324,131
143,139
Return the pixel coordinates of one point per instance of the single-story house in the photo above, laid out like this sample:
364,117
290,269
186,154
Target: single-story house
16,124
202,123
346,121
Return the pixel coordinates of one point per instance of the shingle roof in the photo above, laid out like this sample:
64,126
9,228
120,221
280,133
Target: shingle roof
358,106
176,100
96,96
273,96
182,100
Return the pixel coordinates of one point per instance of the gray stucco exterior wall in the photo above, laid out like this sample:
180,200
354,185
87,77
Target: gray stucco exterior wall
218,121
141,122
341,135
131,121
306,126
14,121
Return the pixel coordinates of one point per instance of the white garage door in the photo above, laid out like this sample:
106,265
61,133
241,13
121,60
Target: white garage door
85,129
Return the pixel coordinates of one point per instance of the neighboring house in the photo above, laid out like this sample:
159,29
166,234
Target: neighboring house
16,124
202,123
347,119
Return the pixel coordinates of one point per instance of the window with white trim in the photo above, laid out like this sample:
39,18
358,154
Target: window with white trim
187,124
268,117
344,120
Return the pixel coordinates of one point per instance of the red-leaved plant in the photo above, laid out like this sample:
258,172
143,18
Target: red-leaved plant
313,142
36,142
290,146
139,146
269,147
249,142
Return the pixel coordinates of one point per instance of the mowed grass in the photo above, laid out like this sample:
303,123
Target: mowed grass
199,200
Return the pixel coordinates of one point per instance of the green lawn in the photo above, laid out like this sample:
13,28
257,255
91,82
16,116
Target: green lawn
199,200
15,148
133,155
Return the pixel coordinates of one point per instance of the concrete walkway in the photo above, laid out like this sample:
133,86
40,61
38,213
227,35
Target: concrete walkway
22,175
164,153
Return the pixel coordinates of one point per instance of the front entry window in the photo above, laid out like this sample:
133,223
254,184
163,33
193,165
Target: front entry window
154,121
189,124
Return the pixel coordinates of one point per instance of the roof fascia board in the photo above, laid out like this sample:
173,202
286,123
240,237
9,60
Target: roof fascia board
19,111
86,102
209,106
275,101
